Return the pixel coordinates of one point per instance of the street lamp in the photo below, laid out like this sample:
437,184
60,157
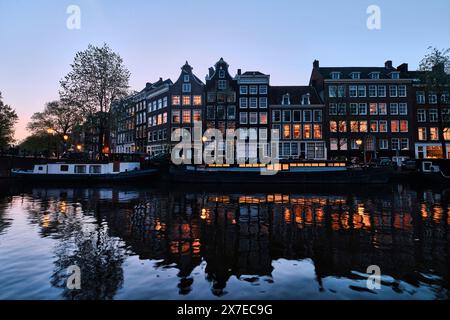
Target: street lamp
50,132
359,143
79,147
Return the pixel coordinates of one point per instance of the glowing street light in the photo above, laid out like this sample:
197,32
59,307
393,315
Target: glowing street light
50,131
66,137
359,142
79,146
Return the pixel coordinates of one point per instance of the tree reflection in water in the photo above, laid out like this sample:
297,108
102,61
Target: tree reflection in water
405,232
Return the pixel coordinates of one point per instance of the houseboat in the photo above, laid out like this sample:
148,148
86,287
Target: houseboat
86,172
307,172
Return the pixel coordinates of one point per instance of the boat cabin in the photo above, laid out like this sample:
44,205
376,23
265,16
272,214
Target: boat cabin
86,168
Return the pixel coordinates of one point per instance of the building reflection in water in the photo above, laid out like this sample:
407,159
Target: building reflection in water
405,232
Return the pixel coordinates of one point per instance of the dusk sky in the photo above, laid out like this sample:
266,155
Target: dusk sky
155,38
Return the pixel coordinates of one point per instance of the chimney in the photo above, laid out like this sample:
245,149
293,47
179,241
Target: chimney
211,71
239,72
316,64
148,85
403,67
388,64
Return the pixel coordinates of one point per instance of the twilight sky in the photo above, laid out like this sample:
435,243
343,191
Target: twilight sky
155,38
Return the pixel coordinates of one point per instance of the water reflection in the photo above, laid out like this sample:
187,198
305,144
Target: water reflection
223,237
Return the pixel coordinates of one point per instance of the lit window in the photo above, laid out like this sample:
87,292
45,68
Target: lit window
422,134
317,131
186,100
363,126
297,131
186,116
333,126
307,134
394,126
373,109
373,126
176,100
197,115
434,134
263,117
286,131
383,126
197,100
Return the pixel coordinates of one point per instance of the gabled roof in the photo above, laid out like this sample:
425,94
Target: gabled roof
295,94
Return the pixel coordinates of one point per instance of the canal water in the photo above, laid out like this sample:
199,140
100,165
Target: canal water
166,242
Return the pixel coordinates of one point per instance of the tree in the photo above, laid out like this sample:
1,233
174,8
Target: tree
98,77
435,77
57,116
8,118
37,144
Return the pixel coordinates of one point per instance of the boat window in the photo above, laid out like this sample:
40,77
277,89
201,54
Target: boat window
95,169
80,169
40,168
64,168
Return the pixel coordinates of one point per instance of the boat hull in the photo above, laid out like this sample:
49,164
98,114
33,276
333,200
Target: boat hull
350,176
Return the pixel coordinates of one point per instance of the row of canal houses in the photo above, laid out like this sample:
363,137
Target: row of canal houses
343,113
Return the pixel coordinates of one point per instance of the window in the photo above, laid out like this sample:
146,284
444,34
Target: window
332,91
404,144
353,91
262,89
165,102
342,126
355,75
333,144
186,87
243,117
160,104
186,100
95,169
422,134
384,144
342,109
445,115
420,97
382,126
395,75
354,126
333,126
402,91
381,91
361,91
175,101
341,91
353,109
253,103
197,115
211,97
222,85
253,117
263,102
297,131
197,100
333,109
317,115
362,109
403,125
395,144
432,98
363,126
243,90
403,109
335,75
307,117
373,109
210,113
221,74
393,109
373,126
372,91
317,131
286,131
165,117
80,169
263,118
286,115
231,112
307,134
382,109
297,115
375,75
64,168
243,103
186,78
434,134
253,89
445,98
421,115
276,116
220,113
446,134
305,99
186,116
393,91
286,100
433,115
395,126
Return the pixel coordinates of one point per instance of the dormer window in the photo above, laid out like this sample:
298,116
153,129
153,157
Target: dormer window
375,75
395,75
335,75
355,75
286,100
186,78
221,74
306,99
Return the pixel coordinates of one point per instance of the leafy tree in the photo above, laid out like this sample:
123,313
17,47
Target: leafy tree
435,77
37,144
57,116
98,77
8,118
